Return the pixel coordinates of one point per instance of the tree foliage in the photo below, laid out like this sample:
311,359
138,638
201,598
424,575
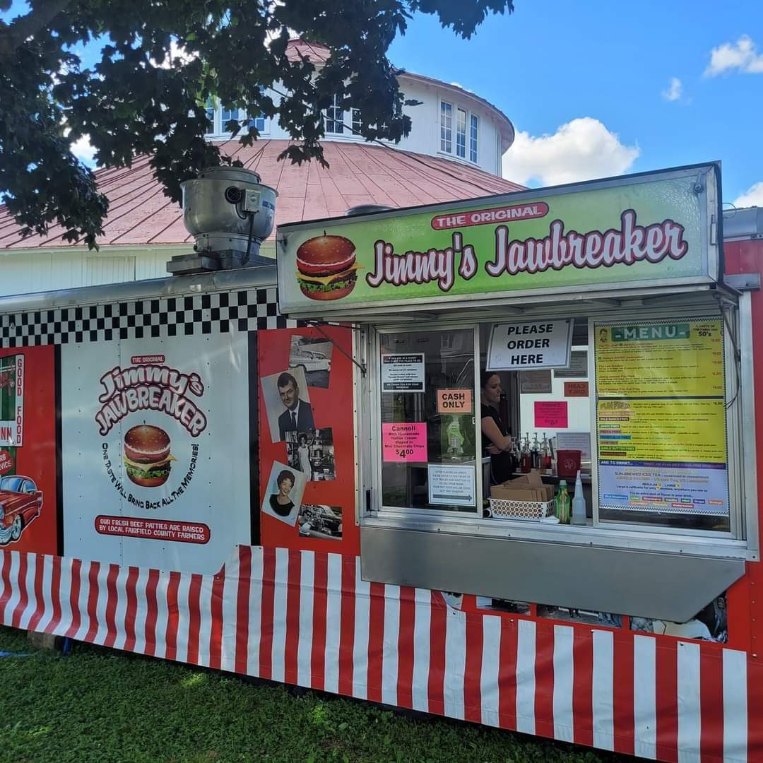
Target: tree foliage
160,62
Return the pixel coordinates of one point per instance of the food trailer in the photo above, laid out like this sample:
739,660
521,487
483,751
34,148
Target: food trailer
280,471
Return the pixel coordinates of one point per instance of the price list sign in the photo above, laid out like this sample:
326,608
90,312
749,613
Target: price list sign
404,442
661,417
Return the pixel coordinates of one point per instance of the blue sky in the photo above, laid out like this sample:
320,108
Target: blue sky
605,87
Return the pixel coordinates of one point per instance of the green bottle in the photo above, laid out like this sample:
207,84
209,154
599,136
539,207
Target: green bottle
563,503
455,438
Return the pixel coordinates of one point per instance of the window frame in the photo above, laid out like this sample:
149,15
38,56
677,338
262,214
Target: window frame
461,120
446,127
217,121
741,541
376,422
348,120
459,137
474,124
333,115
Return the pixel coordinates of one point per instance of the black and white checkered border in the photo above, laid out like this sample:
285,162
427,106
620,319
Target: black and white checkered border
218,312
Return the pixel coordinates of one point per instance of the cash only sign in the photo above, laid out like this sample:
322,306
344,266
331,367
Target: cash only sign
634,231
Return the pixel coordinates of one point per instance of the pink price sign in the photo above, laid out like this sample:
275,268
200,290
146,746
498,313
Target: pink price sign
404,441
552,415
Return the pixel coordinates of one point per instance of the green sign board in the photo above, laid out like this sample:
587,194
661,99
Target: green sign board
629,232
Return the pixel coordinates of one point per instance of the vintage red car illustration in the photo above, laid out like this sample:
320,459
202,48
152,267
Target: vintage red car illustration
20,503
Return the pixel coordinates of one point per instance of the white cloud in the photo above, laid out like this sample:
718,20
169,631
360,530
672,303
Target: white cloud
579,150
740,55
674,90
752,197
84,151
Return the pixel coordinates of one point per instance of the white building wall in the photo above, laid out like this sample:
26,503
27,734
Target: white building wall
40,270
424,137
37,270
152,265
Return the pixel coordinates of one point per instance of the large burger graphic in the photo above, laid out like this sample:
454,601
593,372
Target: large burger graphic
326,267
147,455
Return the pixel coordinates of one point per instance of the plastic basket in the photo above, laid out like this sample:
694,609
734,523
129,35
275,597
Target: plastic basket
501,508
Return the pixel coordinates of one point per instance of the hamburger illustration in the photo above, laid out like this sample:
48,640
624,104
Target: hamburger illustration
326,267
147,455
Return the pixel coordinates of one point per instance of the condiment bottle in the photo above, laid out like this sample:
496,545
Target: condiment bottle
545,458
578,503
563,503
526,459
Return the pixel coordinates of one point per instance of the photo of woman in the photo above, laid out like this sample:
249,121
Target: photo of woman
312,454
280,502
303,456
283,493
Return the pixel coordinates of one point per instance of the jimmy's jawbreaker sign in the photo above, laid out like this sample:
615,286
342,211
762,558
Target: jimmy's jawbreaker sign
148,384
155,465
626,232
627,244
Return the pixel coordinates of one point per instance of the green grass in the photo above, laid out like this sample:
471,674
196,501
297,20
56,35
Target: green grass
102,705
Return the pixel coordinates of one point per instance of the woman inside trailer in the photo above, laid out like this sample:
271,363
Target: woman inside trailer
496,438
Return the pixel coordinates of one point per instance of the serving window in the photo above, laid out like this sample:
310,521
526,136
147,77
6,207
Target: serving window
652,404
429,450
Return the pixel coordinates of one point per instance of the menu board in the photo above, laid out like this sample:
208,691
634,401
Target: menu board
661,417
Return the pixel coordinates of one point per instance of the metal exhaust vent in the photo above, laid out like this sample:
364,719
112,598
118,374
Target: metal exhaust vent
229,213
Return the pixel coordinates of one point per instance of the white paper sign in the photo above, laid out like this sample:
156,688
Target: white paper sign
451,485
526,345
575,441
403,373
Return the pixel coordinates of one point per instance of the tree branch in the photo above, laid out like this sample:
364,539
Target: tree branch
13,35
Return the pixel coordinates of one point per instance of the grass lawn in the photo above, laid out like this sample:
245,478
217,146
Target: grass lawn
103,705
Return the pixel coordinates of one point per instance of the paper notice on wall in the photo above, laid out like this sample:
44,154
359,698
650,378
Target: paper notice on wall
451,485
551,415
404,442
668,488
523,345
576,389
454,401
535,382
575,441
402,373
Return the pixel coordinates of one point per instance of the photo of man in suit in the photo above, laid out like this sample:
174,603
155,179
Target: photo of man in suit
298,416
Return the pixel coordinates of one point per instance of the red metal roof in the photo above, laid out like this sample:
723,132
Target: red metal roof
358,173
313,51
